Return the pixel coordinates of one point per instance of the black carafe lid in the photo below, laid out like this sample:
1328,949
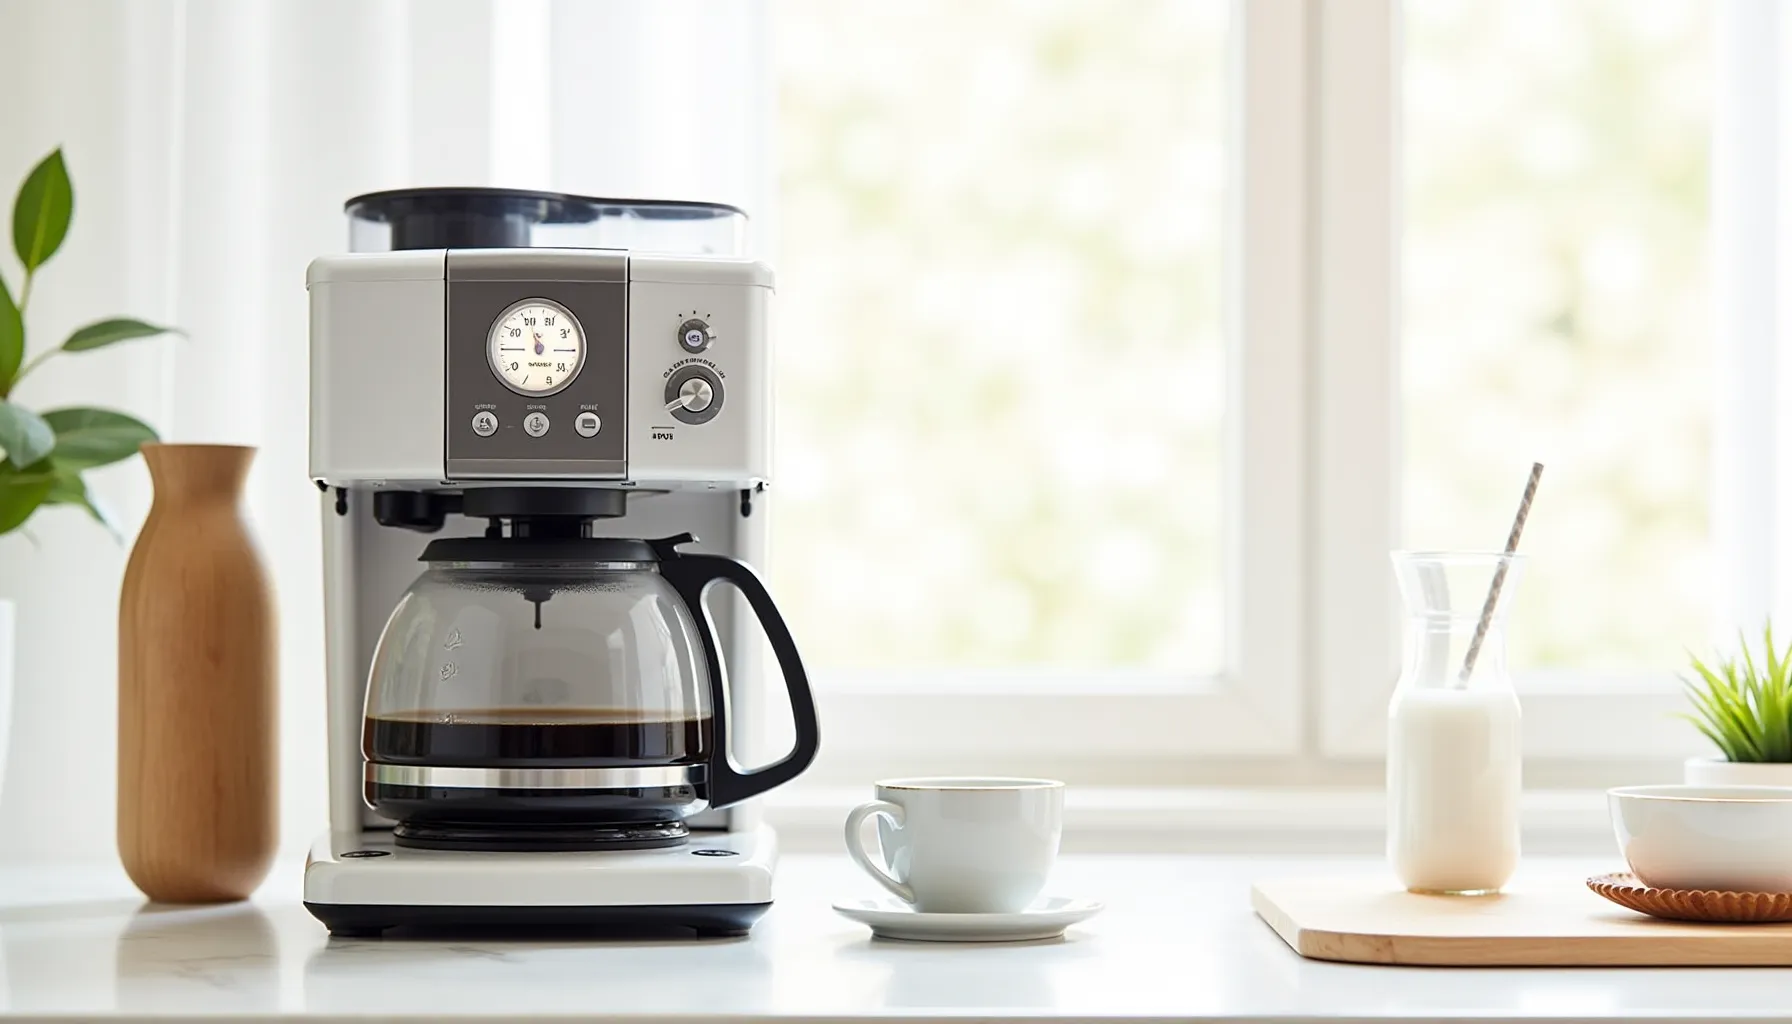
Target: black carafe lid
468,218
503,218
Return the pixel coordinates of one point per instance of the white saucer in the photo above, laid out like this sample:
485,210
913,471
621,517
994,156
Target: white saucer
890,918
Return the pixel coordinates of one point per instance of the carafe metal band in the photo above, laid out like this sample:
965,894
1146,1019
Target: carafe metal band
449,777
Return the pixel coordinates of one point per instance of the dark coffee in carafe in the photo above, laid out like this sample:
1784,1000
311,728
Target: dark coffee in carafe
537,738
537,778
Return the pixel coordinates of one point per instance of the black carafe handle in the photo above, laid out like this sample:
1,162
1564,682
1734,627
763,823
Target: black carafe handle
691,575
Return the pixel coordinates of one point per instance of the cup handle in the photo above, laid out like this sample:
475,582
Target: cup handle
855,844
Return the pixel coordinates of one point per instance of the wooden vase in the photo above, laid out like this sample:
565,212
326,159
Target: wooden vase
198,739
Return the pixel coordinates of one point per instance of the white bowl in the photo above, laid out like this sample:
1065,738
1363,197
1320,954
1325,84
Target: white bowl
1727,838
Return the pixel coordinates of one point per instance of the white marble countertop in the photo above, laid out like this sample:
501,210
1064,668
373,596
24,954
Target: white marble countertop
1178,941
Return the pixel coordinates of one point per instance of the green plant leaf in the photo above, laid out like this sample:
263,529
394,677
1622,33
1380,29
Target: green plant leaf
1717,739
86,438
1782,682
41,213
24,434
21,492
1745,680
1775,667
1772,702
1743,704
1724,708
1740,713
67,488
101,333
12,339
1705,702
1734,744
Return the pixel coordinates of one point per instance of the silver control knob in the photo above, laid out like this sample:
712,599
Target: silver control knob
694,335
696,394
587,424
535,424
484,423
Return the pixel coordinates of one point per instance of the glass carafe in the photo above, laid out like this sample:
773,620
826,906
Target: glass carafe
1454,744
560,693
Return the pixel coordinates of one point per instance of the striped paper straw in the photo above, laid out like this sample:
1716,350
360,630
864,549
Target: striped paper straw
1499,575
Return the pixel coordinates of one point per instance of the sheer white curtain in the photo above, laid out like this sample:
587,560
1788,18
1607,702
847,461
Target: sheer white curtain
212,143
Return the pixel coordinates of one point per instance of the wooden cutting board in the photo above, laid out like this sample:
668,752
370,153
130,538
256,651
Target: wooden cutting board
1554,924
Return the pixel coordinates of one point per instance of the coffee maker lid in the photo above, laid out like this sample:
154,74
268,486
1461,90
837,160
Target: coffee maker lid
504,218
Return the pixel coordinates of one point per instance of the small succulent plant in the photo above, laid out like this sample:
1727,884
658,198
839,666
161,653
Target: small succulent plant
1744,705
47,452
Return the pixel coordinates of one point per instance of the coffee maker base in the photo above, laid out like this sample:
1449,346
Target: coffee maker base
717,883
703,921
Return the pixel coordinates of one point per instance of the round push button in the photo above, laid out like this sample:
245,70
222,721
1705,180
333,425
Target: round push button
484,423
535,424
587,424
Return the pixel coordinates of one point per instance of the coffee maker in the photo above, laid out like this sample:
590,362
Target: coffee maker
526,408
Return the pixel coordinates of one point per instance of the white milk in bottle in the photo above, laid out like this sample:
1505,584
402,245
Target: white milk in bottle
1453,781
1454,767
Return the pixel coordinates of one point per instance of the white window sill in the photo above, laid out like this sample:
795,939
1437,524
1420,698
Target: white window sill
1210,819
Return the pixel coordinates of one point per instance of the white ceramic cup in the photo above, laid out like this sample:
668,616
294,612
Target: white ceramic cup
961,845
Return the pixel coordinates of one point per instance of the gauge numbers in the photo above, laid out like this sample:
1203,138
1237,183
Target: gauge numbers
536,347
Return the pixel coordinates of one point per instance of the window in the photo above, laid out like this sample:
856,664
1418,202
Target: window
1002,394
1537,241
1022,463
1387,253
1555,283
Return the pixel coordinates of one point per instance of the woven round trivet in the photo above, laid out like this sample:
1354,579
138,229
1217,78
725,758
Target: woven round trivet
1693,904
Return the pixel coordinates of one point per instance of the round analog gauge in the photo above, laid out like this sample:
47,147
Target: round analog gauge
536,347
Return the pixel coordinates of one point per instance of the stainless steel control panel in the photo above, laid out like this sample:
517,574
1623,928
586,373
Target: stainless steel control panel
537,364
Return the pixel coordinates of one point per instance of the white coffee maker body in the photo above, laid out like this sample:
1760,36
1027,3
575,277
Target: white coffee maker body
408,417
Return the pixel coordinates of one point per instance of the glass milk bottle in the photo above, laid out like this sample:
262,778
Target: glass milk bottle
1454,752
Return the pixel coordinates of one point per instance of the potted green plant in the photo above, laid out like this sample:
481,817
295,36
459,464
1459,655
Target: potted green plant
47,453
1744,707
